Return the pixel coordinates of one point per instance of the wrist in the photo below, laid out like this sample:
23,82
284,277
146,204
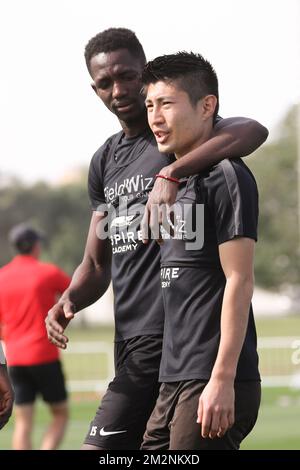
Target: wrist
170,171
223,376
167,178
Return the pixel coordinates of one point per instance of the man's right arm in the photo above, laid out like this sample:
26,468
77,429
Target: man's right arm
6,392
89,282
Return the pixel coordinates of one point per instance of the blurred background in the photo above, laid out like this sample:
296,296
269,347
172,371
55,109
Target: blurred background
51,124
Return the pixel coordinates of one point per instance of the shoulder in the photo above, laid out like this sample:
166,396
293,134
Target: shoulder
229,173
5,269
102,151
49,268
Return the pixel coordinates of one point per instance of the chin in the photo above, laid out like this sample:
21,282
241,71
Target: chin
164,148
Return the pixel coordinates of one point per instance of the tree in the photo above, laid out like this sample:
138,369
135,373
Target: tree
62,213
275,169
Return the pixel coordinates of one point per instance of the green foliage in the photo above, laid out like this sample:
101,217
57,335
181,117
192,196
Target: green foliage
61,212
275,169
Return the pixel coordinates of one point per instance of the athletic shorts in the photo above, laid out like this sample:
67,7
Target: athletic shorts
173,425
44,379
121,418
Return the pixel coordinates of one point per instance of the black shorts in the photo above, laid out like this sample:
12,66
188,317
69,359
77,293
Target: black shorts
44,379
173,425
121,418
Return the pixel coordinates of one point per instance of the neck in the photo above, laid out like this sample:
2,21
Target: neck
206,135
36,251
136,127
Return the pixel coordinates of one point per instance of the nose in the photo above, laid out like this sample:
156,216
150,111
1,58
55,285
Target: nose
118,90
155,117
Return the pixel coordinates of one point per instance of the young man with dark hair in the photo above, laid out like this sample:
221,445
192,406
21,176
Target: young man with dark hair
122,174
210,392
28,289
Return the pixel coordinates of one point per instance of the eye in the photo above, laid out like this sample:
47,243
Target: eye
128,76
103,84
149,106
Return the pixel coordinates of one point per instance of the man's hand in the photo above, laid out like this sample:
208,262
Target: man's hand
6,396
216,408
57,320
161,199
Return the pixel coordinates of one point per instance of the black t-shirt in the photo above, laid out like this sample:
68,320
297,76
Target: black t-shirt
122,173
193,281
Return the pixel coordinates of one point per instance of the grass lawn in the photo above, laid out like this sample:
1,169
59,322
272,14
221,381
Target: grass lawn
277,427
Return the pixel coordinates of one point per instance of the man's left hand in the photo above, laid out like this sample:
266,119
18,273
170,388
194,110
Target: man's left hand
216,408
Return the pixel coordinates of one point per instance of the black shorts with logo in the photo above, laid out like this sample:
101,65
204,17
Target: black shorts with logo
173,426
44,379
121,418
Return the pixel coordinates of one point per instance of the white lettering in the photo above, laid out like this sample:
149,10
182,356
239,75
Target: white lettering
128,185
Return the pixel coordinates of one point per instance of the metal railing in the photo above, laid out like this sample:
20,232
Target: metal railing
89,365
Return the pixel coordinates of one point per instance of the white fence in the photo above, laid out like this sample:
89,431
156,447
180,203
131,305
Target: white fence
89,366
280,361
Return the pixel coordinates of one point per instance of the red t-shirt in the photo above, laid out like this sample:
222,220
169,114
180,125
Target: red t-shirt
28,289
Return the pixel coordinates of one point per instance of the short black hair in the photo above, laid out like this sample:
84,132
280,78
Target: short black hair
111,40
24,237
194,74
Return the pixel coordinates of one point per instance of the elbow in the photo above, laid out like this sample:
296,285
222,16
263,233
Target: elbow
244,284
247,286
261,131
250,288
253,135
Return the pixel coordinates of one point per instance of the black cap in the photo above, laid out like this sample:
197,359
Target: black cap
23,237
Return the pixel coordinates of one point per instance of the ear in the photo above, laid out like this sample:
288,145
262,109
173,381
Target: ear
209,104
94,87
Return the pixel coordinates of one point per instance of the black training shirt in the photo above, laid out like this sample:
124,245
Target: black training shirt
121,175
193,281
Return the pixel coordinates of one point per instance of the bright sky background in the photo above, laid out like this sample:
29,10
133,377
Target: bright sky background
50,119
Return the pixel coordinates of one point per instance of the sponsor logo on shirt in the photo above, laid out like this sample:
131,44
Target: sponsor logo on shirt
109,433
135,184
122,221
167,274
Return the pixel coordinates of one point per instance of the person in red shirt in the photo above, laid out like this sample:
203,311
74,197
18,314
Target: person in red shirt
28,290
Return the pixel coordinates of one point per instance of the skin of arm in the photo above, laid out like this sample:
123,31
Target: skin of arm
89,282
216,403
6,392
232,137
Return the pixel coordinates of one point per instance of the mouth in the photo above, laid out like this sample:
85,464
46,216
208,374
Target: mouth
161,136
123,107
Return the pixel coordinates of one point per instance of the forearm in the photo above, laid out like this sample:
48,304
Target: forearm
89,283
234,321
233,137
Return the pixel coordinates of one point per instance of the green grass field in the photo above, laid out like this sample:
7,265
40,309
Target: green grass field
277,426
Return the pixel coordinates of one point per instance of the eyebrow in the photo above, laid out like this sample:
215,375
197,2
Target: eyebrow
160,98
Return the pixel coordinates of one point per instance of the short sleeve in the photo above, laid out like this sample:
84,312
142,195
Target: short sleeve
232,197
95,181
